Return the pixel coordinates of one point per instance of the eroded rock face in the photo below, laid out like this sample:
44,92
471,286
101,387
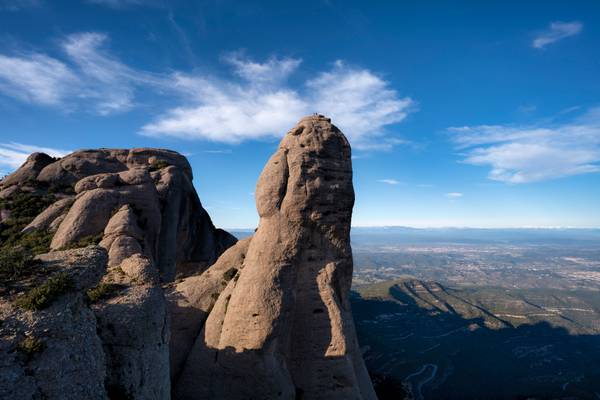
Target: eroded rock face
34,164
141,206
156,184
282,327
268,319
68,361
134,329
191,300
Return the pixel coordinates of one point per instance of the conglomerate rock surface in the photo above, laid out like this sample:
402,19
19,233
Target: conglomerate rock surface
64,358
280,324
159,303
109,338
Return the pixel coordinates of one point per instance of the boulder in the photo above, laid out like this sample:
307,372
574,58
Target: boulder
48,218
29,171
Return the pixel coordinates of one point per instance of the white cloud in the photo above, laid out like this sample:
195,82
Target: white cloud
228,111
89,76
556,32
256,102
36,78
358,101
106,81
389,181
13,155
454,195
262,104
521,154
273,71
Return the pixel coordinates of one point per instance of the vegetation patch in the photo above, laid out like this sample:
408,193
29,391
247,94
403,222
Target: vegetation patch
84,242
25,205
158,164
23,208
103,291
43,295
16,263
30,346
58,188
229,274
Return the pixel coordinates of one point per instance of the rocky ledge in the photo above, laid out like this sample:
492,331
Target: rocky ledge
116,284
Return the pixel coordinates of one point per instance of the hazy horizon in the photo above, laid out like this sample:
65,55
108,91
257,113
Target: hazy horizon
459,114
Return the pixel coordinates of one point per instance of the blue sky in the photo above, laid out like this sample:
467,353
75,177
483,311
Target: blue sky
482,114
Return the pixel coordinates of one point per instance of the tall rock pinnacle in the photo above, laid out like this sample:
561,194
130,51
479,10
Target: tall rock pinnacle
280,326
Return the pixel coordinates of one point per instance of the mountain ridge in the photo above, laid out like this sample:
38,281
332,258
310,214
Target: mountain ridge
171,306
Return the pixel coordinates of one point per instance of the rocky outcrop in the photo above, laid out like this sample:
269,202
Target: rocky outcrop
156,184
134,329
281,327
34,164
51,217
54,353
192,299
141,206
169,306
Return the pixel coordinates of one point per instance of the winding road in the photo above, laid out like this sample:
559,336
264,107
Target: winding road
420,378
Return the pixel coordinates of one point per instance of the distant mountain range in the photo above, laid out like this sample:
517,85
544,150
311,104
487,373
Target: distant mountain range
402,234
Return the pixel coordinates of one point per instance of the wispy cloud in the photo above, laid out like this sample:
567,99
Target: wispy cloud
453,195
13,155
256,101
225,151
555,32
260,103
36,78
17,5
119,4
106,81
389,181
231,111
521,154
89,75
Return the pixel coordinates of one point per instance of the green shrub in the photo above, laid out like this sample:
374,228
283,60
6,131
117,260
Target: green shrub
159,164
103,291
41,296
26,205
31,346
15,263
84,242
23,208
36,242
56,188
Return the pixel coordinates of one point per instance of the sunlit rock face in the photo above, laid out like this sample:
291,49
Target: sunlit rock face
279,325
156,185
142,210
164,305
